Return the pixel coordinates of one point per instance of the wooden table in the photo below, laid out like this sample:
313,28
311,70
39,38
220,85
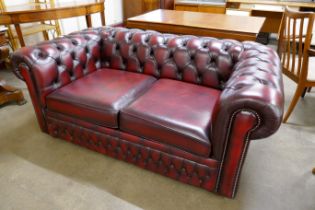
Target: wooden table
27,13
199,24
296,3
273,15
8,93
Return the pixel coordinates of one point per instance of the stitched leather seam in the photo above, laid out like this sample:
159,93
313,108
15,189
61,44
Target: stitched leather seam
178,147
97,109
170,129
97,122
103,109
244,150
41,109
236,177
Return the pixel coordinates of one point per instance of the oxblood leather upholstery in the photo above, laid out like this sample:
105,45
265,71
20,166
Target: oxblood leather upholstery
205,61
99,96
250,105
181,118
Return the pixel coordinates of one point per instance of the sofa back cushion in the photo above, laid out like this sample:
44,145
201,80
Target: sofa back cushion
205,61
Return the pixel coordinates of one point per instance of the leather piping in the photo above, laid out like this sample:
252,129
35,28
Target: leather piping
39,104
194,138
236,176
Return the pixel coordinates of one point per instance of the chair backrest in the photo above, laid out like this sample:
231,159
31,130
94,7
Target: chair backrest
2,6
294,42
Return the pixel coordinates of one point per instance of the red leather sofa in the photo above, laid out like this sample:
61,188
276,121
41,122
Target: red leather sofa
182,106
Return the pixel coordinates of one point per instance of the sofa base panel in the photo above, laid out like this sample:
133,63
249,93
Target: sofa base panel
176,167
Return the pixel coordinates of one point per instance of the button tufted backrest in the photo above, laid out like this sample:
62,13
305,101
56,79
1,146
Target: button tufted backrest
57,62
204,61
248,73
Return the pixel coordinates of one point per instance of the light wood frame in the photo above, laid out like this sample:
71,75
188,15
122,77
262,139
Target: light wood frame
43,27
294,51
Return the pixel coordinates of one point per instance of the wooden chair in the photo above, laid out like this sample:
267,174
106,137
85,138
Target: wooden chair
7,93
294,51
44,27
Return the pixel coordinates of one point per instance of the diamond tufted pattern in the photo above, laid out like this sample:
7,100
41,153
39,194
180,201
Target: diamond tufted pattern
205,61
256,85
246,75
58,62
131,149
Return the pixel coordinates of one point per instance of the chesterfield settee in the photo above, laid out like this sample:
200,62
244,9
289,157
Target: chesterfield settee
182,106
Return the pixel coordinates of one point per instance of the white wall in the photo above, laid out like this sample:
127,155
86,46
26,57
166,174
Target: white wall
113,14
15,2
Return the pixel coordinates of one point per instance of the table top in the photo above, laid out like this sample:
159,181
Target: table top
35,7
220,22
296,3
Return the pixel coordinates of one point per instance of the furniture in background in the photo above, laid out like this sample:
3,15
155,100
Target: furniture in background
133,8
29,13
43,27
7,93
183,22
4,46
271,10
294,51
159,101
167,4
210,6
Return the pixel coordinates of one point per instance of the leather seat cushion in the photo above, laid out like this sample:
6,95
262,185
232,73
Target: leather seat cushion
175,113
99,96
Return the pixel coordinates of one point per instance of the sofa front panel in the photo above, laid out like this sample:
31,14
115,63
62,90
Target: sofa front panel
200,172
205,61
211,163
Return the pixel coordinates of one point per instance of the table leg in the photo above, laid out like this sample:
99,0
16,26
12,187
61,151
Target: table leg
45,33
58,31
88,21
46,36
20,35
12,41
9,94
103,18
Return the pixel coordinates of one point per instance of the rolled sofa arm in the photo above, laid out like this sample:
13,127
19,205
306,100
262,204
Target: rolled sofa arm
250,107
50,65
256,87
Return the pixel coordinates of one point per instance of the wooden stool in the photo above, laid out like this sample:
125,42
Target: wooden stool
8,93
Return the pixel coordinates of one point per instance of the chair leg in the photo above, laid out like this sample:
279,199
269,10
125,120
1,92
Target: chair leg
45,35
297,95
309,89
304,92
